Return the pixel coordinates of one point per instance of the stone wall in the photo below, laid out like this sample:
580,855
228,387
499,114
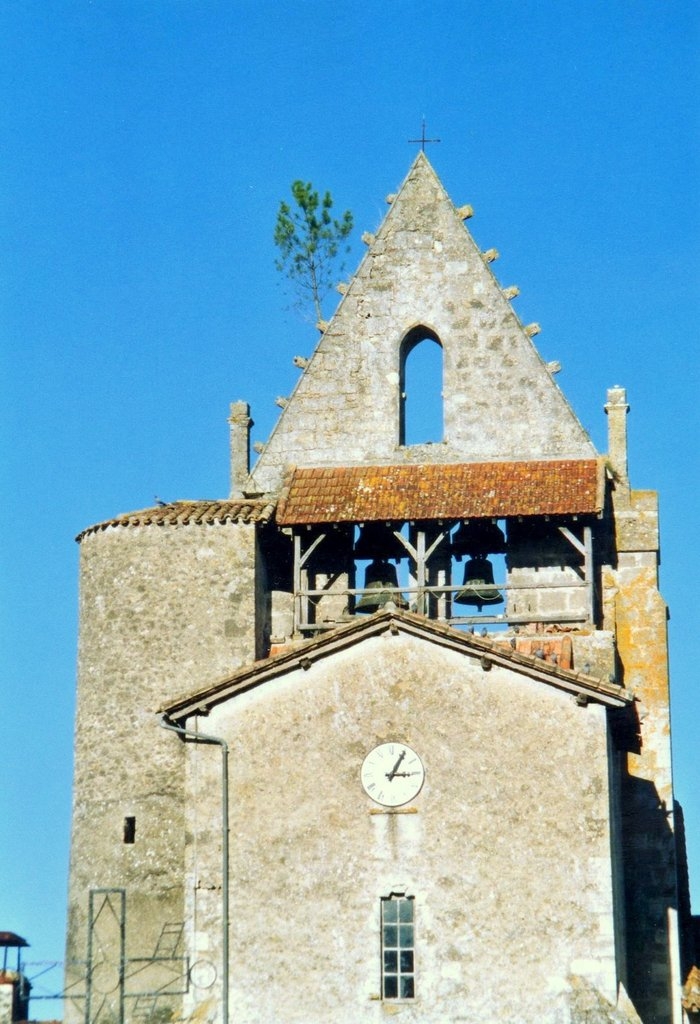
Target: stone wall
648,821
423,268
162,608
506,849
550,571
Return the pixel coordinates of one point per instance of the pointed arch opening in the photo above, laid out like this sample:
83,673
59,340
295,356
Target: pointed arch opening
421,418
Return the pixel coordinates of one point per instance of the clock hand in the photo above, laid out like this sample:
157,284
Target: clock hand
404,775
395,770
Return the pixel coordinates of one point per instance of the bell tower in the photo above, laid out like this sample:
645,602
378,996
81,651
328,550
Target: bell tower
371,516
423,280
468,618
509,523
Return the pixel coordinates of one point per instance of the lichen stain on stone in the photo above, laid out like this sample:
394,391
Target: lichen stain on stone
595,786
596,828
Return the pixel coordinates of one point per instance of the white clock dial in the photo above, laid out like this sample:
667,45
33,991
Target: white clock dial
392,774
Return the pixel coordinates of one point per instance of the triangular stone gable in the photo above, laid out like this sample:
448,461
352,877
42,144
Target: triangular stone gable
487,650
422,269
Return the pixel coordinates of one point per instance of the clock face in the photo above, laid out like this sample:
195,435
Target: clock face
392,774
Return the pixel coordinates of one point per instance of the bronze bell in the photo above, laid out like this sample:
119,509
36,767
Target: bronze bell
478,584
380,575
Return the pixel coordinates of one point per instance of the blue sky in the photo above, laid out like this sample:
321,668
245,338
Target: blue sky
146,147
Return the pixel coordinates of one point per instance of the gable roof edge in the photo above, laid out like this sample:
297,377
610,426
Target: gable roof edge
302,656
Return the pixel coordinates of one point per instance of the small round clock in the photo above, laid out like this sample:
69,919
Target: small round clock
392,774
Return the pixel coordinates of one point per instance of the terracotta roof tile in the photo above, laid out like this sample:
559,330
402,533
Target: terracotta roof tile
462,491
181,513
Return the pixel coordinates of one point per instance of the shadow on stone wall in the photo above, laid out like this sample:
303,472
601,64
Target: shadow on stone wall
689,925
651,892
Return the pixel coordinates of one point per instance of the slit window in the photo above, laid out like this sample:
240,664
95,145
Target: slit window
398,949
129,830
420,382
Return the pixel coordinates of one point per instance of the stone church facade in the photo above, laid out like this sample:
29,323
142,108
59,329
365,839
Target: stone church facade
330,765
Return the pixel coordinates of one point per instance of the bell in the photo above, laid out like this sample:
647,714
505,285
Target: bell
377,541
479,537
478,574
379,576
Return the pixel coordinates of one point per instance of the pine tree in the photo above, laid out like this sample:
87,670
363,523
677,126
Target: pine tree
310,240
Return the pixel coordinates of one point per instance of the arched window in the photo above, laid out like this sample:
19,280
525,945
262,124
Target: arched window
420,384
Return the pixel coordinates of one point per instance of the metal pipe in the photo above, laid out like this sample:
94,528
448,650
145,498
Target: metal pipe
200,737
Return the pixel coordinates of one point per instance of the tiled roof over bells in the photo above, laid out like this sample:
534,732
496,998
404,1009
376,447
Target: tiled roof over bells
461,491
183,513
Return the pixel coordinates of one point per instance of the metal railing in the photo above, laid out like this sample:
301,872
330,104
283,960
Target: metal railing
434,602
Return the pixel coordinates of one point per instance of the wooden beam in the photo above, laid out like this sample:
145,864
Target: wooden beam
588,569
573,539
